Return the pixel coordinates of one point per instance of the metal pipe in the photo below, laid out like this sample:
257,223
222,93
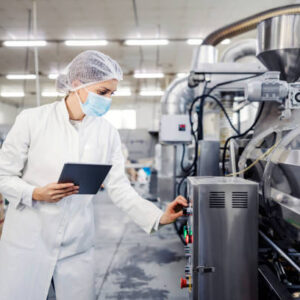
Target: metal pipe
248,24
36,55
178,94
176,97
239,50
279,251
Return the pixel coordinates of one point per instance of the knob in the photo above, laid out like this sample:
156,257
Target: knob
297,97
187,211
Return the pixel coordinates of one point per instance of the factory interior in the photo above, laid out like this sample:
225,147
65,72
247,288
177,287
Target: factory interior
149,150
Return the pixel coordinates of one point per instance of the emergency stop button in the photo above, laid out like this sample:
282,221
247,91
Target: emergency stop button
183,283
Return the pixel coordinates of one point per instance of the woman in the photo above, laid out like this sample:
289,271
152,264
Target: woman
49,230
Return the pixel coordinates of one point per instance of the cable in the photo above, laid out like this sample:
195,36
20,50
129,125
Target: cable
223,109
255,162
179,233
202,98
240,135
232,81
182,180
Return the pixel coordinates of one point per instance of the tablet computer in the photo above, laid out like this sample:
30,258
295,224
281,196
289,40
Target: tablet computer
89,177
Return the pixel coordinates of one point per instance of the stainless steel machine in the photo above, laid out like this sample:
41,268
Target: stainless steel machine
263,150
222,245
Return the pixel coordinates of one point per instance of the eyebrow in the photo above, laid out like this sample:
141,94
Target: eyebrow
107,89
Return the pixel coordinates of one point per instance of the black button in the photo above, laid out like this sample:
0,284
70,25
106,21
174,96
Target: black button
297,97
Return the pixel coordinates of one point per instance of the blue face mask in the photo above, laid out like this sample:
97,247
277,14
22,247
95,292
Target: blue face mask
95,105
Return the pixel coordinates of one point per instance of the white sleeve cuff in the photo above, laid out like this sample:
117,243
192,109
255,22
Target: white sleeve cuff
157,225
27,195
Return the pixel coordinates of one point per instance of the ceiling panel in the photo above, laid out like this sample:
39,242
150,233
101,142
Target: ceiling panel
115,19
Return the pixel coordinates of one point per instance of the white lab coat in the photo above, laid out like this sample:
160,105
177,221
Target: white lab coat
41,240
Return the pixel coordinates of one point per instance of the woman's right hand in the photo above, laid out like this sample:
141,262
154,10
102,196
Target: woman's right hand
54,192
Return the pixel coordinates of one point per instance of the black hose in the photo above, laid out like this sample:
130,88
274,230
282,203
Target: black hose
240,135
231,81
179,233
223,109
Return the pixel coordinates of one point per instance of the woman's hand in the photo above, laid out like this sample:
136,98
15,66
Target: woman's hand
173,210
54,192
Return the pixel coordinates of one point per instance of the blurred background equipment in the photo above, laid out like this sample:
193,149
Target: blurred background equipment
1,214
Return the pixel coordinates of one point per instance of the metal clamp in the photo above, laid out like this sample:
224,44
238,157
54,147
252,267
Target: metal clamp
195,78
204,269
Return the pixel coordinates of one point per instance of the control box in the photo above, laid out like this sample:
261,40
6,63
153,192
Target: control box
221,237
175,129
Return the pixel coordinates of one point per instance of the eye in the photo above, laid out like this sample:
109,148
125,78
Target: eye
102,93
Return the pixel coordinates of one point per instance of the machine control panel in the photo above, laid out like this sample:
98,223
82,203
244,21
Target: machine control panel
175,129
186,281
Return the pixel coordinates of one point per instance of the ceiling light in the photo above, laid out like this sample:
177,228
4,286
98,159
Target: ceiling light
12,94
53,76
151,93
152,42
226,42
21,76
181,75
86,43
148,75
194,41
123,92
24,43
52,94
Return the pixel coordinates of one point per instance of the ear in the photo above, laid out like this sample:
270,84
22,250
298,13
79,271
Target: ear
76,83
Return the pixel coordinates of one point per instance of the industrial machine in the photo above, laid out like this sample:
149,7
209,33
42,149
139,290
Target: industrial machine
245,153
221,236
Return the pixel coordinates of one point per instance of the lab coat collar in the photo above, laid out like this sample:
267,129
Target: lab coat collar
63,109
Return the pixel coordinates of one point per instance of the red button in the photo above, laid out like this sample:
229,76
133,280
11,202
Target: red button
183,283
187,239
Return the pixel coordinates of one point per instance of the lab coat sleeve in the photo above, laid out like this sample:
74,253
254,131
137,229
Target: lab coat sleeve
141,211
157,224
13,156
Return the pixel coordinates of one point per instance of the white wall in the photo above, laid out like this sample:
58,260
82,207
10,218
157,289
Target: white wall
8,113
147,112
148,115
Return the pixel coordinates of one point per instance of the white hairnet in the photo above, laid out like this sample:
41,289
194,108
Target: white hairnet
88,67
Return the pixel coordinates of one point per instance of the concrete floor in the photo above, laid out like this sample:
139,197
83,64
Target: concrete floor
132,264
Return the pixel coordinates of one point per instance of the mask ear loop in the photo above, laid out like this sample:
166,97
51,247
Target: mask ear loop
79,100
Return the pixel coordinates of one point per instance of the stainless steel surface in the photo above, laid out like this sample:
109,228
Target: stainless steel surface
208,160
279,45
166,173
204,54
178,95
290,208
176,98
238,50
225,229
278,172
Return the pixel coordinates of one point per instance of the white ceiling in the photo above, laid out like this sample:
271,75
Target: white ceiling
115,20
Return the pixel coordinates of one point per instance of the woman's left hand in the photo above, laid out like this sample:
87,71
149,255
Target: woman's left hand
173,210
